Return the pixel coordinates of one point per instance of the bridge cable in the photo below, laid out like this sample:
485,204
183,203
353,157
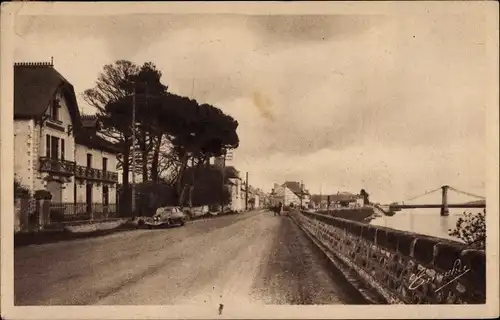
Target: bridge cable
468,193
424,194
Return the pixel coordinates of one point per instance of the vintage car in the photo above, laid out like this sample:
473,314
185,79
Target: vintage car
166,217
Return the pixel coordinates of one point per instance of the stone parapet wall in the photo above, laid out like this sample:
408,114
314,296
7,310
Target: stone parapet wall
402,267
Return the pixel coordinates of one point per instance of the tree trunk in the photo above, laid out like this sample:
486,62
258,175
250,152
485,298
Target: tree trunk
182,196
144,153
155,160
191,183
190,195
180,178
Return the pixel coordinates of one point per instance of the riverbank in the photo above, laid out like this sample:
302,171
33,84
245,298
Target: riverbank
365,214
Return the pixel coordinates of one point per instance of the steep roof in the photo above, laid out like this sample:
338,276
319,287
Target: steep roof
35,84
232,173
90,139
90,121
295,187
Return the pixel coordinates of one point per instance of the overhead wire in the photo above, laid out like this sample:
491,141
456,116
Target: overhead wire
421,195
467,193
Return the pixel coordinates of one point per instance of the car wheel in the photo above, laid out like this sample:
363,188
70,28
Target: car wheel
182,223
150,227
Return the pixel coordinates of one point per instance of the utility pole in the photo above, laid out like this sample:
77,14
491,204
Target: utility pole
246,192
133,150
223,174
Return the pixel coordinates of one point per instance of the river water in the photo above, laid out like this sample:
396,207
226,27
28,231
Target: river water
423,221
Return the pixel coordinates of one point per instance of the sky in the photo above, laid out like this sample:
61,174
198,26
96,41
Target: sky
392,104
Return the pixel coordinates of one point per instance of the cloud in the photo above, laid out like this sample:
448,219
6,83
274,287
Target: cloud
384,102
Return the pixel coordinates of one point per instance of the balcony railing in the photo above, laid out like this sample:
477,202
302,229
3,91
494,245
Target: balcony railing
69,168
57,166
95,174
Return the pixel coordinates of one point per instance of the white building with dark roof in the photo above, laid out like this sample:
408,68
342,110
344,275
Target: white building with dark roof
54,149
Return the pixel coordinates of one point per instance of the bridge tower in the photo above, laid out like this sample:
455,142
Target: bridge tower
444,208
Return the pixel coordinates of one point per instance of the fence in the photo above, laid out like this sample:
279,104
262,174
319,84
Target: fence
63,212
31,214
399,266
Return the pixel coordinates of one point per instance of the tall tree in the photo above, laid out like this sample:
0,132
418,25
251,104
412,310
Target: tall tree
196,132
174,132
111,96
150,92
213,134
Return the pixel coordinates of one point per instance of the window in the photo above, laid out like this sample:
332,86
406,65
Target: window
89,160
54,110
104,164
52,150
105,195
54,147
62,149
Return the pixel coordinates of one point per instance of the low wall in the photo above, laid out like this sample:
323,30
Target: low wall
32,215
402,267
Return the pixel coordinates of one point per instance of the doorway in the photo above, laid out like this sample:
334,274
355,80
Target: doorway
105,198
88,197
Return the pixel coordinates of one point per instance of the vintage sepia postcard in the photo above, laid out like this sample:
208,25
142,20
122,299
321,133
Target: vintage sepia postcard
223,160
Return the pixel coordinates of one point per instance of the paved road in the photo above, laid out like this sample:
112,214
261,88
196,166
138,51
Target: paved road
252,258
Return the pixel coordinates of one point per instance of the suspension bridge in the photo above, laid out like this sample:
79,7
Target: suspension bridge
444,205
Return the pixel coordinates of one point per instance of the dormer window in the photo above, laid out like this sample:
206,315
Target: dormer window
54,110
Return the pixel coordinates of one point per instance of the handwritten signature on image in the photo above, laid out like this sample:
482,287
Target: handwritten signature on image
421,278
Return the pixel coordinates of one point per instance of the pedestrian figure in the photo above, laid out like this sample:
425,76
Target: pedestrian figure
276,210
280,207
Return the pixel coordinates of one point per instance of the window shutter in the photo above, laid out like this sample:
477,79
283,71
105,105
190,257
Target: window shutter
62,149
47,146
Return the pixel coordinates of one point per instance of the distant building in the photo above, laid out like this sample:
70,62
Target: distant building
297,194
237,196
345,200
290,193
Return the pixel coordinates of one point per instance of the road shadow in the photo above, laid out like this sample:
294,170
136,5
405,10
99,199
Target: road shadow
51,236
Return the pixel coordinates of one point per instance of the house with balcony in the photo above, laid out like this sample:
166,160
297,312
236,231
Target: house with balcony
56,149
